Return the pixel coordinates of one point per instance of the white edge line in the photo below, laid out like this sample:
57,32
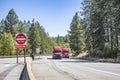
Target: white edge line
102,71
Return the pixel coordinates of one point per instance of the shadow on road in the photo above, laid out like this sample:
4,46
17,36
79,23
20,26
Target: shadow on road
70,60
7,63
76,61
53,59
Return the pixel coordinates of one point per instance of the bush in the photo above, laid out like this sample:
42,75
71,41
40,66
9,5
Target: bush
96,53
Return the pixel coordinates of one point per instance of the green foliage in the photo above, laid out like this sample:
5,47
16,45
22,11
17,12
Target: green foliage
51,43
1,45
7,46
2,25
60,41
101,21
76,35
20,28
37,37
34,38
63,41
10,22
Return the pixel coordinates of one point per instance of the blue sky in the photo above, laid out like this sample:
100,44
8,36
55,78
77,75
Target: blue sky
54,15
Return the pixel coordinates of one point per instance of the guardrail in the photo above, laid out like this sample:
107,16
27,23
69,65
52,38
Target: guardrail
24,75
27,71
30,74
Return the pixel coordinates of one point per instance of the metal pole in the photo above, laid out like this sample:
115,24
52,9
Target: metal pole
17,55
25,55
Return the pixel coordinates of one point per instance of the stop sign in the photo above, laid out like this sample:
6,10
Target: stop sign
20,38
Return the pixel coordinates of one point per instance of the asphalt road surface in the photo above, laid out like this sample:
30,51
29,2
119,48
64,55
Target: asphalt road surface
47,68
9,70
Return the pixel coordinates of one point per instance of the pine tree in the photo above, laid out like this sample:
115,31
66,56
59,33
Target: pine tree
76,35
34,38
11,21
44,40
101,19
20,28
60,41
2,26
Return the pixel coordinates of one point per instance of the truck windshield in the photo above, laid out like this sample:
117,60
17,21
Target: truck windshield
66,51
57,51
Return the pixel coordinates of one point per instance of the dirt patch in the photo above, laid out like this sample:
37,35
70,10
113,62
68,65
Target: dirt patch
82,55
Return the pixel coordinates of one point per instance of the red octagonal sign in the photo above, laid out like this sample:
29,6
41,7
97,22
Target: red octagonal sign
20,40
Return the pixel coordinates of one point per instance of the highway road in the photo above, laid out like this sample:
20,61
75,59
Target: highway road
47,68
9,70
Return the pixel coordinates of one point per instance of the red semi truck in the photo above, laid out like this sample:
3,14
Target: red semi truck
57,52
65,52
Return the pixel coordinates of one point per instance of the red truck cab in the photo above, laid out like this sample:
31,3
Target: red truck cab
65,52
57,52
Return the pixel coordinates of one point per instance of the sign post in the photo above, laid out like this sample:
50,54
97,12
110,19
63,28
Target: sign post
17,55
21,43
24,55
